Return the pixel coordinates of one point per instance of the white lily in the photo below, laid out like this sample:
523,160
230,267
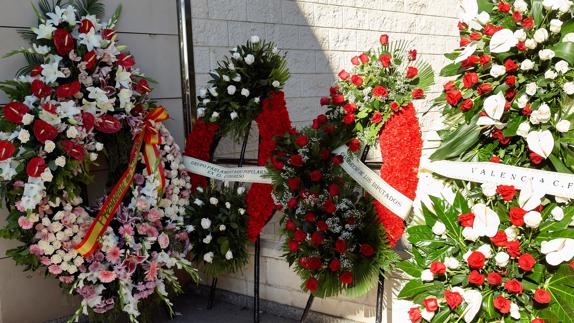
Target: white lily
502,41
494,108
541,142
558,250
486,221
44,31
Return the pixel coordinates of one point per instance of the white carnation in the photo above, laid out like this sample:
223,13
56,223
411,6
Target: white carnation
213,201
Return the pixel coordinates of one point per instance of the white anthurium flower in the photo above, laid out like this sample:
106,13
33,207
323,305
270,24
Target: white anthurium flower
486,221
229,255
494,108
558,250
474,300
467,10
529,199
541,142
208,257
466,52
502,41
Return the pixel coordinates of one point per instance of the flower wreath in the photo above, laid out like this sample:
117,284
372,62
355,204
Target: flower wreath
245,87
216,224
493,254
79,100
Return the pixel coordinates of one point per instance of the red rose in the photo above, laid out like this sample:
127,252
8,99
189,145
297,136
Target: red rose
461,26
350,107
464,41
528,22
494,279
502,304
90,58
513,248
366,250
15,111
73,149
142,86
526,111
537,320
40,89
506,191
277,164
294,183
499,239
317,238
476,260
437,268
333,189
334,90
108,34
466,219
63,42
415,315
453,299
510,80
310,217
290,225
292,203
517,216
535,158
302,141
542,296
484,88
108,124
315,175
385,60
341,246
513,286
343,75
349,119
453,97
364,58
489,29
44,131
476,278
484,59
510,65
329,207
325,100
412,55
394,106
335,265
431,304
312,284
509,94
355,60
68,90
470,61
338,99
466,105
497,134
357,80
36,167
7,150
346,278
354,145
521,46
300,235
296,160
418,93
384,39
377,117
504,7
475,36
337,159
526,262
449,86
412,72
469,79
379,91
85,26
494,159
516,16
125,60
293,246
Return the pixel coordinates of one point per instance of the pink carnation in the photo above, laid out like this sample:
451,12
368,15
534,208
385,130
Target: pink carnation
66,279
163,240
25,223
107,276
153,215
55,270
36,250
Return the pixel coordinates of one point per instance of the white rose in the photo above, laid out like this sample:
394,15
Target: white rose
563,126
488,189
439,228
497,71
557,213
541,35
207,239
49,146
231,89
550,75
467,255
530,43
520,6
526,65
256,100
233,115
215,115
227,205
200,112
544,113
568,38
470,234
46,175
60,161
236,56
208,257
555,25
23,136
249,59
550,4
451,263
427,275
276,84
27,119
483,18
213,201
531,88
568,88
222,227
254,39
520,34
532,219
546,54
205,223
501,259
502,41
93,156
523,129
486,250
231,66
511,233
72,132
245,92
228,255
562,67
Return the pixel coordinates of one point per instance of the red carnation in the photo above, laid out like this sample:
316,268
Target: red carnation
44,131
68,90
354,145
499,239
377,117
469,79
366,250
63,42
412,55
466,219
108,124
296,160
526,262
125,60
494,279
293,245
300,235
346,278
312,284
513,286
431,304
542,296
7,150
476,278
412,72
310,217
415,315
385,60
341,246
317,238
36,167
357,80
384,39
335,265
437,268
329,207
343,75
513,248
74,150
466,105
142,86
379,91
453,97
294,183
453,299
502,304
40,89
517,216
476,260
418,93
506,191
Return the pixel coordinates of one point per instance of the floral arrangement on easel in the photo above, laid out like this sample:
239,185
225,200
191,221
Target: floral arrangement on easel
79,99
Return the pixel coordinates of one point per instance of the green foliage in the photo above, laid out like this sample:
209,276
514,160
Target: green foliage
89,7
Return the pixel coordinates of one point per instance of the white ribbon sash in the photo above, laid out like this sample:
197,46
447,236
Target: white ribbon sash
250,174
387,195
553,183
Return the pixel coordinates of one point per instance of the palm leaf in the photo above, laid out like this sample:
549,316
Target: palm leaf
89,7
47,6
27,34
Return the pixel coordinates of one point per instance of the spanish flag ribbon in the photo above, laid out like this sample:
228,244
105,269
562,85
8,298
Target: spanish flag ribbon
149,138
